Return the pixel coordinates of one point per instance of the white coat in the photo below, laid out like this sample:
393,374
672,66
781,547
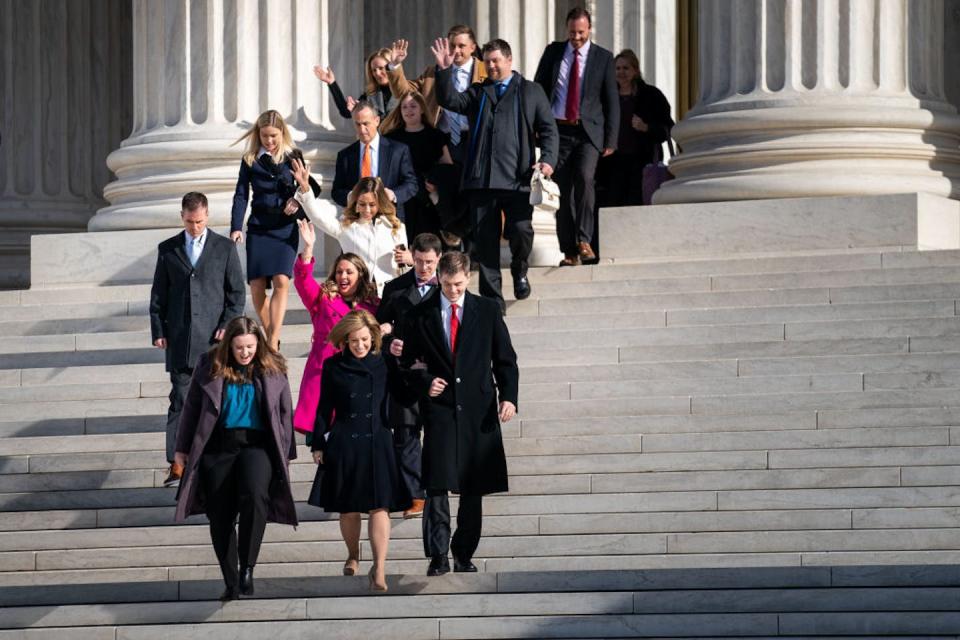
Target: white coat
373,242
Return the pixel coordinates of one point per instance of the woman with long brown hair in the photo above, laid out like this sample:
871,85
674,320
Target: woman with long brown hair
369,226
235,441
408,123
347,287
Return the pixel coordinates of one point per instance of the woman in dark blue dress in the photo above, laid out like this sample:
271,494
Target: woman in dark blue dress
353,442
272,233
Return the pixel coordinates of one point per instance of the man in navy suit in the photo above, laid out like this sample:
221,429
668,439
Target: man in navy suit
198,287
374,155
400,295
578,77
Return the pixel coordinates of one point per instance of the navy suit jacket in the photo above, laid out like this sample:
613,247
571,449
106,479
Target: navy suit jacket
395,168
599,98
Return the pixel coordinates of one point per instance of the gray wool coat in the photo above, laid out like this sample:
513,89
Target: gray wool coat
188,304
198,420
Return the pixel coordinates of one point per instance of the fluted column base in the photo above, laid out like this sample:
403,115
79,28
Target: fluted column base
864,146
154,172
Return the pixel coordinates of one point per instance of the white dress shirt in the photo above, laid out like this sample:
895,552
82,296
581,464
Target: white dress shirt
194,246
559,106
374,242
454,123
374,156
446,309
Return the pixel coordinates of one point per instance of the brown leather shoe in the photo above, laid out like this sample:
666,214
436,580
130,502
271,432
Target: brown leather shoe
415,510
570,260
173,475
587,256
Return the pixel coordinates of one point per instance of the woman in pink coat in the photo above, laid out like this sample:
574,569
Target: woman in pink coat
348,287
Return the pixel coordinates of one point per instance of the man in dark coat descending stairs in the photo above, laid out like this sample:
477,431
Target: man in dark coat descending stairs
457,357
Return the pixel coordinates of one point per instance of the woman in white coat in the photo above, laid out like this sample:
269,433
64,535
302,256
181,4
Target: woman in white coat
369,226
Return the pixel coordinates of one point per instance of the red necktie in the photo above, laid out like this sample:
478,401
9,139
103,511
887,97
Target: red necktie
573,89
454,326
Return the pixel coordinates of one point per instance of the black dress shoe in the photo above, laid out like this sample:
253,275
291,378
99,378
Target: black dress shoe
521,287
246,581
464,567
439,565
230,593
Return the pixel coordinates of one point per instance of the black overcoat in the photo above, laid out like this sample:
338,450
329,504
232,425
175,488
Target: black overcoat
462,444
188,304
201,410
504,131
360,471
400,295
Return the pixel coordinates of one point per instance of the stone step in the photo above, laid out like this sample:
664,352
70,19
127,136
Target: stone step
868,364
600,605
814,312
282,559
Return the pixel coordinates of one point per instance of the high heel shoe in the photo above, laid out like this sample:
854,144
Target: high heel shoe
374,585
351,566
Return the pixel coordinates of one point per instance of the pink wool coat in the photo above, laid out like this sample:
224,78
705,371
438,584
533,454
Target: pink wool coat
324,313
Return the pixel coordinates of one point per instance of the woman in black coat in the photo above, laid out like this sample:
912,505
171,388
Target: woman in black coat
645,124
353,443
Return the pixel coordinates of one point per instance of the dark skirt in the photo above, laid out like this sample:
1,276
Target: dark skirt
359,474
272,248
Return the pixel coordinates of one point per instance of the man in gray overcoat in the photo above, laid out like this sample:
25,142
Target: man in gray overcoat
509,118
197,289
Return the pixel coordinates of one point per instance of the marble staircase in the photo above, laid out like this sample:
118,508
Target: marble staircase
742,447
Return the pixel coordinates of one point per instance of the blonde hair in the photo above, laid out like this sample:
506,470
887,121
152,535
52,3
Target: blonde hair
385,206
269,118
372,84
266,358
354,321
394,119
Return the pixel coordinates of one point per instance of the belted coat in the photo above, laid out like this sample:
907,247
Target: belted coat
201,410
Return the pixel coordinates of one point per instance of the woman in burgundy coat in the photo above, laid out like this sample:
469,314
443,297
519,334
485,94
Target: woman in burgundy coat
235,441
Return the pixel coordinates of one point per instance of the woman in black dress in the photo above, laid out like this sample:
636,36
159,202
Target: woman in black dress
428,146
272,234
353,443
645,123
376,91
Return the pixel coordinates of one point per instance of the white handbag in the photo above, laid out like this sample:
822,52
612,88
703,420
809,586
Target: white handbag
544,192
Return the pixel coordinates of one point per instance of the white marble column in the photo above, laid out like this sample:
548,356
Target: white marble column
649,28
203,71
818,98
63,107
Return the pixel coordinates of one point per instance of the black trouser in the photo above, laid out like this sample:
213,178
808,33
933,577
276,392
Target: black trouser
406,442
235,472
436,526
575,171
485,206
179,385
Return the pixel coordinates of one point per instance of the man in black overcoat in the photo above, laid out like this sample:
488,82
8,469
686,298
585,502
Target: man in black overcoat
458,358
586,106
509,118
400,295
198,287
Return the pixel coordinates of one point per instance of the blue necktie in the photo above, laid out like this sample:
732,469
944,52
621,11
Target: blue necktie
501,87
194,251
